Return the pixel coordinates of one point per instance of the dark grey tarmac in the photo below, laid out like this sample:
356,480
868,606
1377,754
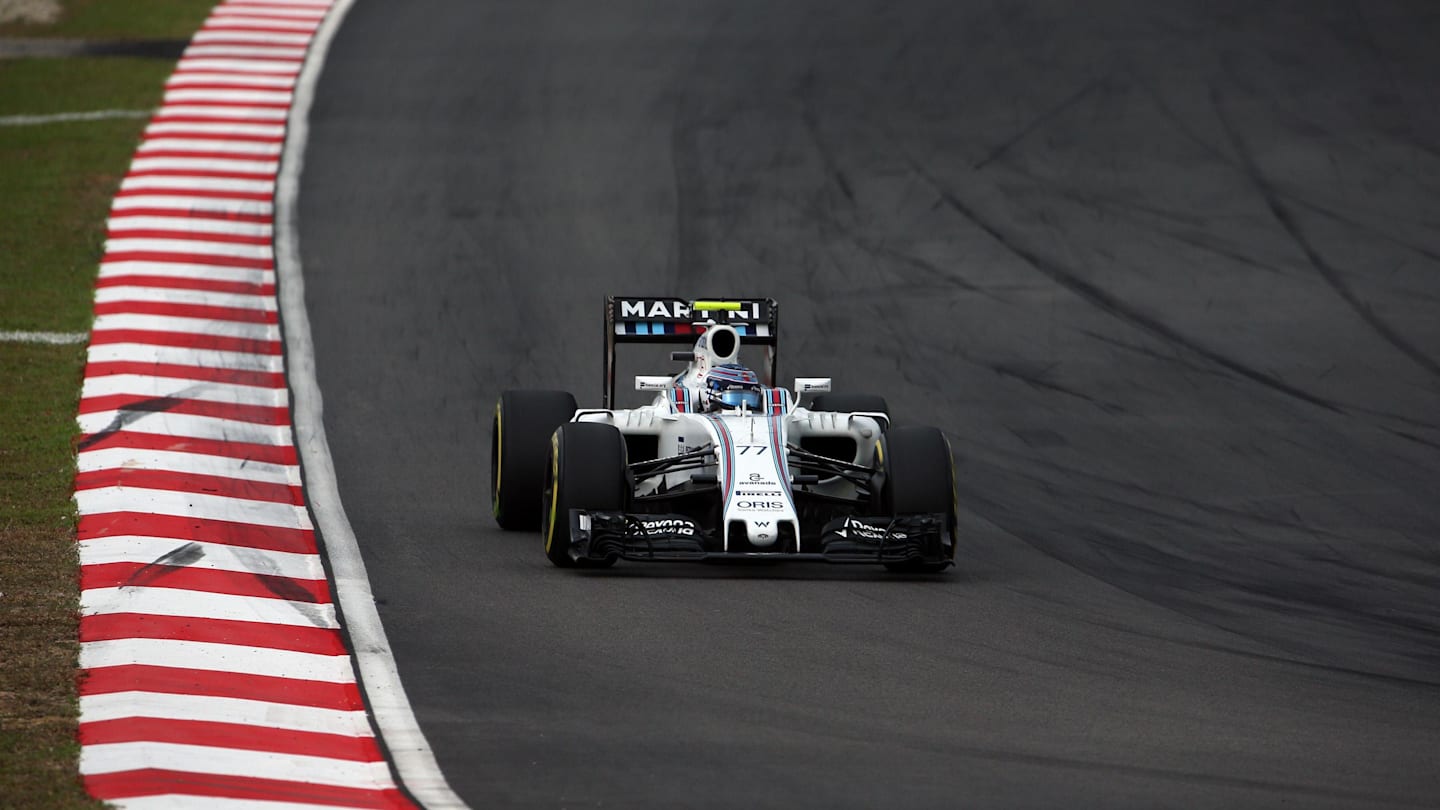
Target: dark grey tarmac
1167,273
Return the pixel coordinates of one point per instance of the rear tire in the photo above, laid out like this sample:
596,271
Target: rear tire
519,441
919,480
586,470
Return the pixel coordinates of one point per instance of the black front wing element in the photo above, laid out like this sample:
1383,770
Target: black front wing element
676,538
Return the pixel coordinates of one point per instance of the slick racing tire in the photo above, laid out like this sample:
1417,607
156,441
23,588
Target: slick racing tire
919,479
850,403
586,470
519,442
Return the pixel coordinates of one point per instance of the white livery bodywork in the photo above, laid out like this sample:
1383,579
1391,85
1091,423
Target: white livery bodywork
722,464
749,448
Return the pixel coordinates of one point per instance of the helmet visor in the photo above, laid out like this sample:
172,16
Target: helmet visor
737,397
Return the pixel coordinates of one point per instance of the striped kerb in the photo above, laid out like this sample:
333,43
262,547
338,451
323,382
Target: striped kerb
214,668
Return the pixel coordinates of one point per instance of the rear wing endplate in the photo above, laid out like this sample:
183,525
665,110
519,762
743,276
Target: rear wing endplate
639,319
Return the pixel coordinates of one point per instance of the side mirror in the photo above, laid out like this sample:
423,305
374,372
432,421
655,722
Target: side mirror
645,382
811,385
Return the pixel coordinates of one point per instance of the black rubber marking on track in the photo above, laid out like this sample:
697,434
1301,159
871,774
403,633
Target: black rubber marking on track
1218,595
167,563
129,415
1110,304
1295,230
1054,112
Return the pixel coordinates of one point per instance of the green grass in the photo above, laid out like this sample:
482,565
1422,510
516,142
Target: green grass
45,86
56,184
57,180
39,386
120,19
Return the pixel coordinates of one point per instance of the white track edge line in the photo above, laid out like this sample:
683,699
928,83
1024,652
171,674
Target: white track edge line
52,338
379,676
61,118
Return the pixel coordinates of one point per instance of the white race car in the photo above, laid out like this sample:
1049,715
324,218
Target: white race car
722,464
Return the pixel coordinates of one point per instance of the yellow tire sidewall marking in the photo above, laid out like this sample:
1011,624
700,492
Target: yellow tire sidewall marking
499,460
954,494
554,488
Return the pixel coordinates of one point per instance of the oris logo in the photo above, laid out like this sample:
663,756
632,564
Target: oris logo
768,506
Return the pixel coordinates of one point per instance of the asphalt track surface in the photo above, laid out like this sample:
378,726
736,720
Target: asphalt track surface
1168,274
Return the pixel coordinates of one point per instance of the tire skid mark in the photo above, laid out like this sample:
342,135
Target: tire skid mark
1281,192
1326,211
129,415
1293,229
1108,303
183,555
1037,380
1330,601
811,120
1296,653
1412,437
1187,231
1005,520
887,256
1143,351
1000,150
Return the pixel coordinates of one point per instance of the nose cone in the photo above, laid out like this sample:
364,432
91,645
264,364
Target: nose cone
762,533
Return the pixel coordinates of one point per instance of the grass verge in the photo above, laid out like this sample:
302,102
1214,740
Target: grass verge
56,183
38,593
119,19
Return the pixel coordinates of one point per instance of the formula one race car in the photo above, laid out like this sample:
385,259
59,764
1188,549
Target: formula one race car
722,464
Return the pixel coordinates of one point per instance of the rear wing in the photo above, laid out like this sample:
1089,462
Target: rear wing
636,319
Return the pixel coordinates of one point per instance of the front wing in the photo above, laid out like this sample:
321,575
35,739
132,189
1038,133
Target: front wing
676,538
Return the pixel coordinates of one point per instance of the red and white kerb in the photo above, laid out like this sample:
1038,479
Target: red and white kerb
214,669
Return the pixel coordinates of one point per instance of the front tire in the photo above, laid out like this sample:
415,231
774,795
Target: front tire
519,440
919,479
586,470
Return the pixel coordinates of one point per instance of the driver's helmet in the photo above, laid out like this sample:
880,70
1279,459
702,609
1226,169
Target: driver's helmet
731,386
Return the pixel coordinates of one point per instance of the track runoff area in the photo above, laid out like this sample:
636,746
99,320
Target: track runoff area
215,667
